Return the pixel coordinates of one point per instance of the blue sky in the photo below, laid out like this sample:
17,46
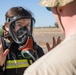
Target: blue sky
42,16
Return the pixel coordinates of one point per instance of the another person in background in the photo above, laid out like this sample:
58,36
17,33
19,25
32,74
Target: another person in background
62,59
18,49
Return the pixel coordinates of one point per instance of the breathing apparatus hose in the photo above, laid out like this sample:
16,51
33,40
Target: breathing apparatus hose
27,52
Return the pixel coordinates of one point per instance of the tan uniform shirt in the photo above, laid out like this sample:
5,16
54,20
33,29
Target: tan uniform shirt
59,61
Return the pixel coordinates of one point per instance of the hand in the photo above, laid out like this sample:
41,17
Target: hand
54,43
3,55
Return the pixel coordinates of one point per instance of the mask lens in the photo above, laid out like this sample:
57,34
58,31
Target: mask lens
20,29
21,23
19,26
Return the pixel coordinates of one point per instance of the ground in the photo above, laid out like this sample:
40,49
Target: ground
44,35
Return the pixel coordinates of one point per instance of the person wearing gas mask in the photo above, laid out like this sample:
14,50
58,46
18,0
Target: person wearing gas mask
62,59
18,45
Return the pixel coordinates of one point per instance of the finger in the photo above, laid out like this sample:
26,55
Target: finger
58,40
54,42
48,46
1,49
6,52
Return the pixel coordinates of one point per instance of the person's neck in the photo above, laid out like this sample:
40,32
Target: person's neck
70,26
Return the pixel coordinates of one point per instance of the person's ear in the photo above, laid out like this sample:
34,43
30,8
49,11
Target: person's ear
59,10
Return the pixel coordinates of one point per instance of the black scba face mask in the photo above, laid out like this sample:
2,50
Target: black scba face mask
22,35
